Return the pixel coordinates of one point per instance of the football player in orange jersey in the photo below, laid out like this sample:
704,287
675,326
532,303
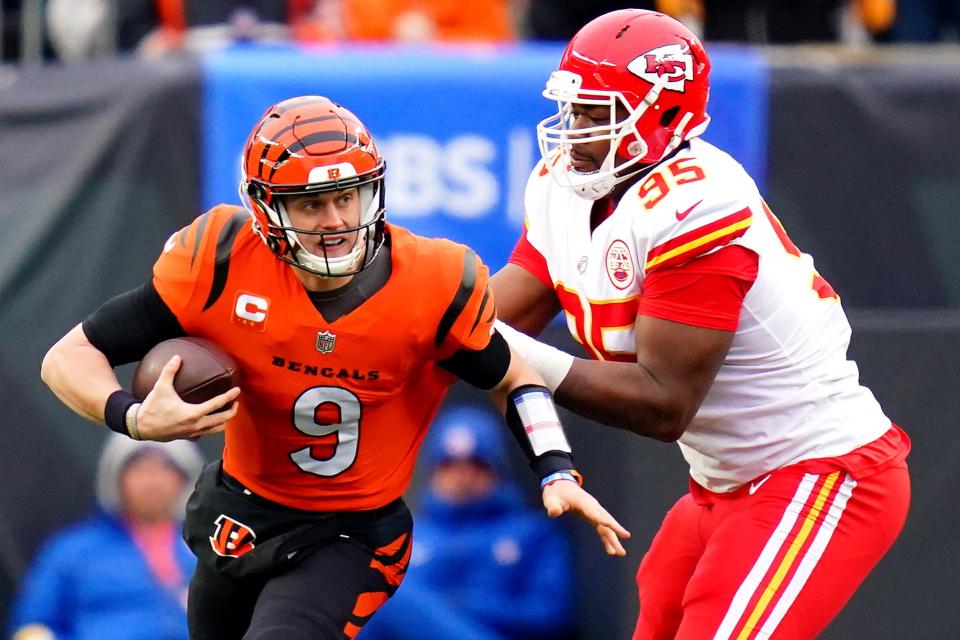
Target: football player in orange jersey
348,332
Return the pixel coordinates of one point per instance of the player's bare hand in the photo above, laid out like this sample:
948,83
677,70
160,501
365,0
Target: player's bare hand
164,416
563,496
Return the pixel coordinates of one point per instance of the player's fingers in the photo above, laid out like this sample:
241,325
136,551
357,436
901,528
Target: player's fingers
169,371
611,543
196,434
219,401
602,518
589,508
219,418
219,428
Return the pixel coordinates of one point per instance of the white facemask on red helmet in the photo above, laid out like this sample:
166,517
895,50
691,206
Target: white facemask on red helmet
650,66
311,145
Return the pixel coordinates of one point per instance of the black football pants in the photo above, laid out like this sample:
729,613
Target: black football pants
336,576
314,599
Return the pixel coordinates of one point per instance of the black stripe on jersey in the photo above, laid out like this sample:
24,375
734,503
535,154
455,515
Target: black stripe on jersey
467,282
483,305
221,265
493,314
322,136
201,225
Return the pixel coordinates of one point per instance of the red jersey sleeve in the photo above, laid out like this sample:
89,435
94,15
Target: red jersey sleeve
526,256
706,292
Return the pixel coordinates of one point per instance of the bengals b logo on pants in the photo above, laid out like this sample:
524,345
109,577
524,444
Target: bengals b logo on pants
232,538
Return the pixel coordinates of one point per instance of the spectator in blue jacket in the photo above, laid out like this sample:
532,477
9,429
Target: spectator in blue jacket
485,565
122,574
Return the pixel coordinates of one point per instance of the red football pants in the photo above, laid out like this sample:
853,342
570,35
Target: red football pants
774,559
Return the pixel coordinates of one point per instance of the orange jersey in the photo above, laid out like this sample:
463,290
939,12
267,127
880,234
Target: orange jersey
332,414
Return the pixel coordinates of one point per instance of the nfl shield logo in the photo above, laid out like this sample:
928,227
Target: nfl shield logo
325,341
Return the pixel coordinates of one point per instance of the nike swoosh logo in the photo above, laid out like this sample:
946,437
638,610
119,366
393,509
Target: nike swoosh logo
754,486
683,214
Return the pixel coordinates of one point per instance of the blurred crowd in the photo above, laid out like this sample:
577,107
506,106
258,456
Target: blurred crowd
78,29
122,572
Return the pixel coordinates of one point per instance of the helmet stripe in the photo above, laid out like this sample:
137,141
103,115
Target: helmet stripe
279,161
300,122
283,107
321,137
263,156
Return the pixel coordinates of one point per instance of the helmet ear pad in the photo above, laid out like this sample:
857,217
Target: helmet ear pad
630,147
256,191
262,202
657,127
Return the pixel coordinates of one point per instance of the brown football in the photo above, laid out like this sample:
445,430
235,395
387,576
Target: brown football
206,370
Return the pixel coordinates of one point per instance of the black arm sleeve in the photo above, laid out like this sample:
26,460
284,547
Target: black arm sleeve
127,326
483,369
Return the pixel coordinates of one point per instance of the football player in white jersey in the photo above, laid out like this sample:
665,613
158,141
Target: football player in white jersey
707,326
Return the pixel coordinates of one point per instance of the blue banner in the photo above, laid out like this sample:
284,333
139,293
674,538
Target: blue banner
456,125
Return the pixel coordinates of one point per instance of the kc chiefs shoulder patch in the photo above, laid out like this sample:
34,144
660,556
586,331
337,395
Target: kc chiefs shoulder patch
232,538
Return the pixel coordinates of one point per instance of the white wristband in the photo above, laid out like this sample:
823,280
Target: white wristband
551,363
131,420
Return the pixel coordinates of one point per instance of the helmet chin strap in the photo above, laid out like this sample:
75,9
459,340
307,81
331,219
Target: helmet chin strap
602,186
332,267
322,266
596,188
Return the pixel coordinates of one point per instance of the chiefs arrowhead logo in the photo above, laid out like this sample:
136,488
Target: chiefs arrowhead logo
672,61
232,539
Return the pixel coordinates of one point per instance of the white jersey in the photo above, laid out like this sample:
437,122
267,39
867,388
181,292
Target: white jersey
786,391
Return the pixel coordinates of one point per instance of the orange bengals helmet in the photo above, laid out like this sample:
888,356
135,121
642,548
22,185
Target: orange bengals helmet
648,64
311,145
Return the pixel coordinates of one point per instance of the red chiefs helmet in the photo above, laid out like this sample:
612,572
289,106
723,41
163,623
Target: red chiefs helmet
310,145
653,68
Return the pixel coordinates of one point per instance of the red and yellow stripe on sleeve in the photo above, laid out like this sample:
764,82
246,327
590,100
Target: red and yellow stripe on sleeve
695,243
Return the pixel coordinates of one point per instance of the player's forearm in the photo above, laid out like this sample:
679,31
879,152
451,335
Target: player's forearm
621,394
519,373
624,395
536,426
79,375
